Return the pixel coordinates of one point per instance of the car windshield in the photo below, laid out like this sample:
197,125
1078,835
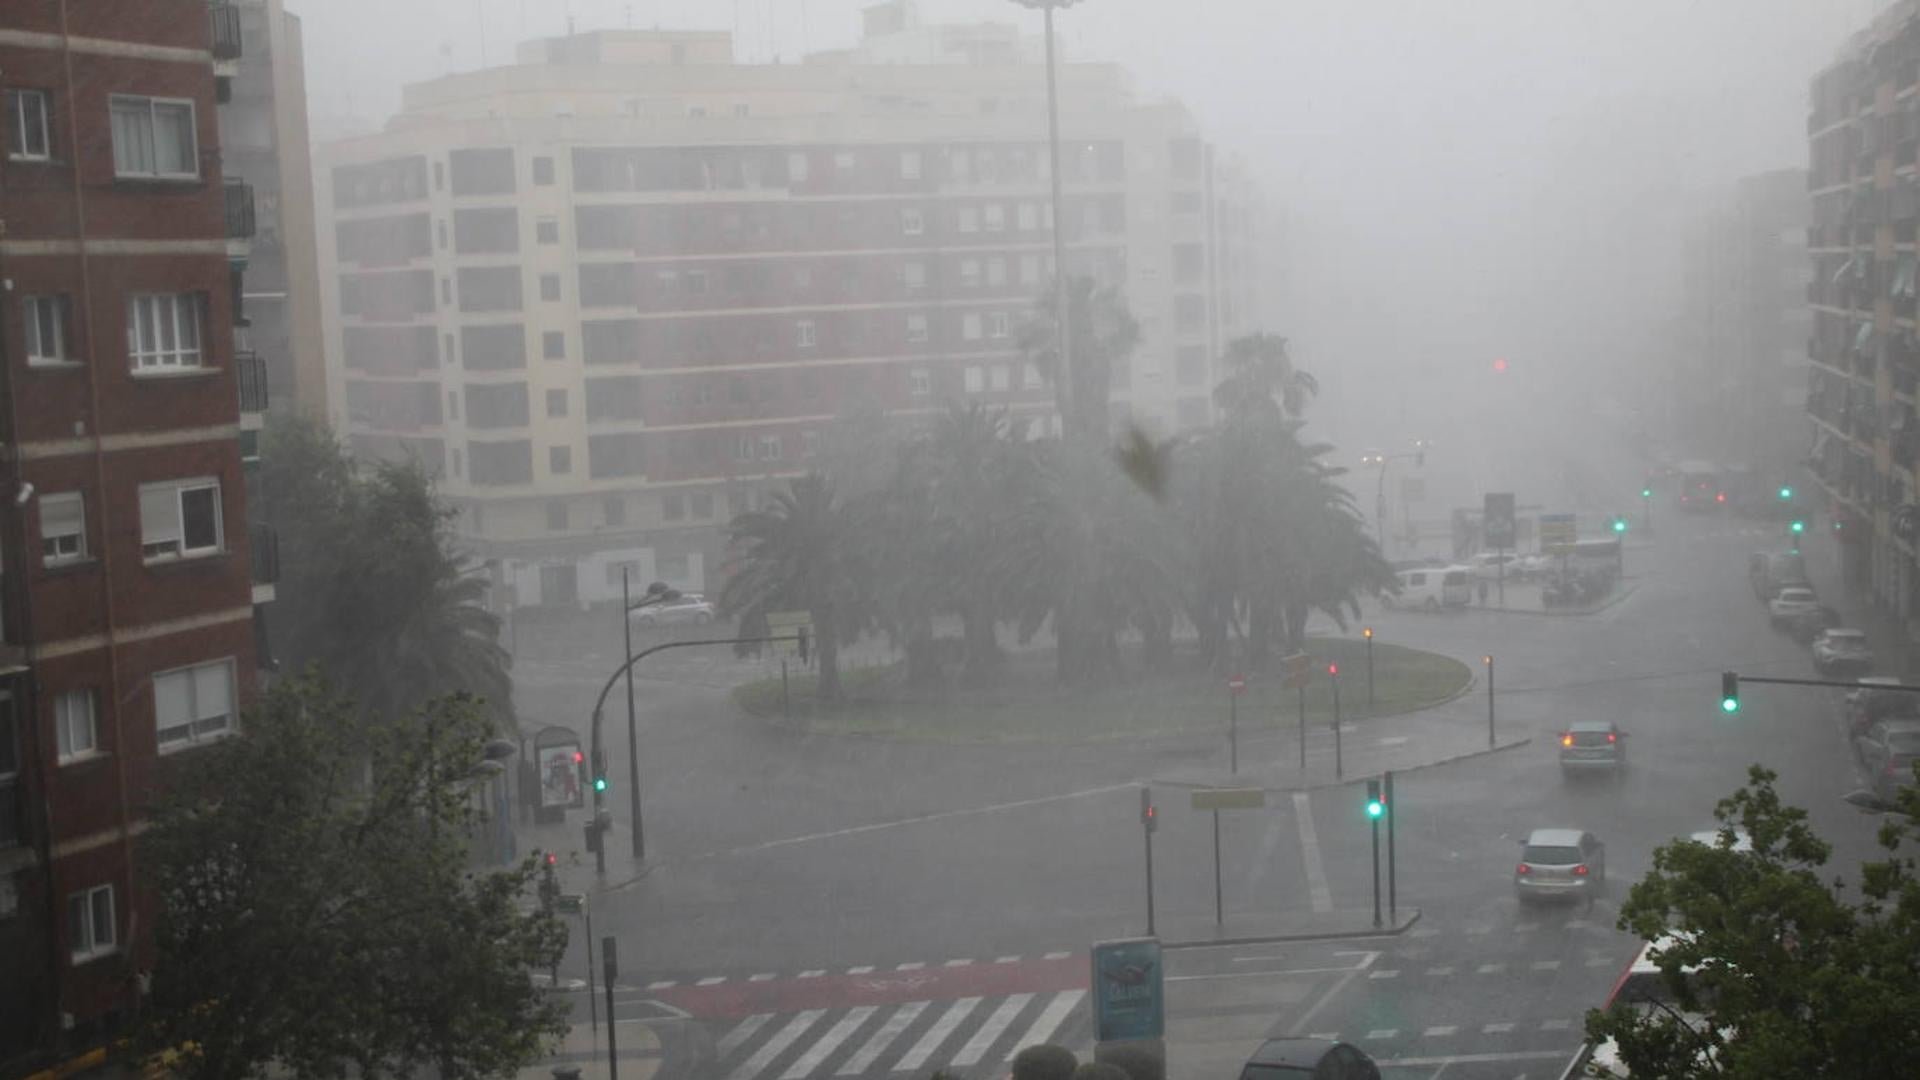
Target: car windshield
1551,855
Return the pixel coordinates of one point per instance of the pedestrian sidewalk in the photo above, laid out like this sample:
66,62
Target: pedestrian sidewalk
1251,928
585,1048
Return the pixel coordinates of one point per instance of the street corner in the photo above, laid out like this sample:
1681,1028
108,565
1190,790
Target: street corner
1340,924
1613,600
640,1051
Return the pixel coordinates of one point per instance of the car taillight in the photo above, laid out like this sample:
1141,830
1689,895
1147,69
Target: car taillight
1580,871
1566,740
1523,868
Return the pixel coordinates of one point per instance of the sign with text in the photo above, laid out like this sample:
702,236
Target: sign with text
1230,798
788,624
1557,533
1129,1000
1237,684
1496,520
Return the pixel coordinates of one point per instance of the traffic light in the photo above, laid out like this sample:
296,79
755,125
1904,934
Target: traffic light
801,645
1646,493
1729,692
1786,493
1149,813
1333,670
1797,527
1367,632
1376,806
1619,524
599,771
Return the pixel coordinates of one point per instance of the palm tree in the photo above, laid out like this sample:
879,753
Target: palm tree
801,552
1104,333
445,641
1261,378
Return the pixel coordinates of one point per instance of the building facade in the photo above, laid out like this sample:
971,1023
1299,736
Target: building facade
1863,140
616,291
131,576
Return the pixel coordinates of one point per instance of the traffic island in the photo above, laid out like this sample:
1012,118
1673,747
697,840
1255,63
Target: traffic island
1266,928
1025,702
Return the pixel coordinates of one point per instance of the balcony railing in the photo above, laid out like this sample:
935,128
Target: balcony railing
265,551
239,210
226,30
250,369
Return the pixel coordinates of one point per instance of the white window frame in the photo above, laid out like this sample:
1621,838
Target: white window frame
909,164
64,546
975,379
994,217
154,340
998,325
796,167
44,320
996,271
192,735
803,334
1027,217
769,447
966,219
843,160
920,382
970,326
83,938
970,273
809,443
913,274
1030,378
916,328
124,104
76,725
1029,269
23,105
912,223
152,544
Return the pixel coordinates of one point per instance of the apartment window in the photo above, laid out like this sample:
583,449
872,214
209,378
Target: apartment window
1027,217
163,331
769,448
803,333
550,287
913,274
46,329
543,170
970,272
63,528
700,504
916,328
1030,377
27,125
556,403
439,175
673,507
796,167
553,344
910,165
975,379
696,283
1190,365
802,278
995,217
75,730
546,231
193,704
809,443
440,234
843,161
1029,269
743,448
90,924
967,219
911,223
920,382
996,271
1001,376
180,518
154,137
453,405
559,460
615,511
556,516
457,460
997,324
970,326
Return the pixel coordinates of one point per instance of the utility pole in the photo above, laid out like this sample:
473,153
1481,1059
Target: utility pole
1149,824
633,749
1393,907
1339,763
1488,659
1063,388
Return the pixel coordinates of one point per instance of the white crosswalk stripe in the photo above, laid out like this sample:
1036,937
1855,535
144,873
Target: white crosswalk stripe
877,1043
777,1045
990,1032
937,1034
741,1033
961,1034
804,1065
1048,1021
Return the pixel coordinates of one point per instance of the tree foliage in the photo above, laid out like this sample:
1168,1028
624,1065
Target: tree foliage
1775,969
371,589
315,914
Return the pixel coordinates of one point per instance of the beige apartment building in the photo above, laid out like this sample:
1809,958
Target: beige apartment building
616,291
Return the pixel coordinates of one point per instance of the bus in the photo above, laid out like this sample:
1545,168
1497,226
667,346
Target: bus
1699,487
1641,987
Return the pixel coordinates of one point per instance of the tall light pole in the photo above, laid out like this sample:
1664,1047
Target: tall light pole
657,593
1063,388
1375,457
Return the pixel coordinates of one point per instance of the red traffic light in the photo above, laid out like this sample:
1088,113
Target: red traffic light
1500,365
1721,497
578,757
1333,669
552,859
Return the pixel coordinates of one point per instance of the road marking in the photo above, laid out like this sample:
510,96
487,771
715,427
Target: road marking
1328,1035
877,1043
1056,956
990,1032
1472,1059
1338,985
1382,1033
911,965
1440,971
814,974
741,1033
1048,1021
1478,930
1389,974
958,963
1310,853
1555,1025
1546,965
712,980
777,1045
1436,1032
1497,1029
666,984
918,819
1006,959
860,970
1266,974
1394,740
1491,969
828,1043
1599,961
937,1034
760,978
1525,927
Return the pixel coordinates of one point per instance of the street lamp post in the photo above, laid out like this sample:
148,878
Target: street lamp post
657,593
1063,385
1380,487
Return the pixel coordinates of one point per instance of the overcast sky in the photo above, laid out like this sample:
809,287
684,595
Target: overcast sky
1458,179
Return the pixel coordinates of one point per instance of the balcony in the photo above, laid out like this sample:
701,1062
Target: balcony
226,30
263,546
250,370
240,222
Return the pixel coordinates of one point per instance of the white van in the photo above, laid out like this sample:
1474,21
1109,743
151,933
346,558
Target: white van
1431,588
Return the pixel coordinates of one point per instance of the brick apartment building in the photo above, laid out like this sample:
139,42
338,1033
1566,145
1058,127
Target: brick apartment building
615,292
131,575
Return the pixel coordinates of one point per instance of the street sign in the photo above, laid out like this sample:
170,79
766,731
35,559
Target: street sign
1557,533
788,624
1496,520
1237,684
1299,671
609,959
1128,991
1230,798
571,903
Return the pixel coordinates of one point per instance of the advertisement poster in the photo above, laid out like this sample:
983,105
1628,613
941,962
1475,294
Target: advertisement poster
560,777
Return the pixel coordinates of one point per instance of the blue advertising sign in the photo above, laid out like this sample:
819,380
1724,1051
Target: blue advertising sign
1128,995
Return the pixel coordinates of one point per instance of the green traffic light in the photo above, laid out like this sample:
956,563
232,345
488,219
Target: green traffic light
1786,493
1376,809
1799,526
599,783
1646,493
1730,705
1619,525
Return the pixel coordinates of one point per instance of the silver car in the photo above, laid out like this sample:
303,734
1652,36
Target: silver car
688,609
1560,864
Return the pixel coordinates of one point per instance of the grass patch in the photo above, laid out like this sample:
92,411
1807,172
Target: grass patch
1024,703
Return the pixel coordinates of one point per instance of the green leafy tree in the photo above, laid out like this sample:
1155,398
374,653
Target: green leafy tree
371,588
1772,967
316,917
802,552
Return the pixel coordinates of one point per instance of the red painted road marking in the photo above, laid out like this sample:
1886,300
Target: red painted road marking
837,991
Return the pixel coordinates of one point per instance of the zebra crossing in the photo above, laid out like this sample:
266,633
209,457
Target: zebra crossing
975,1035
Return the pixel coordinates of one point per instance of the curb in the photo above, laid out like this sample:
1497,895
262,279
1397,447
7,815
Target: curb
1499,748
1616,599
1271,939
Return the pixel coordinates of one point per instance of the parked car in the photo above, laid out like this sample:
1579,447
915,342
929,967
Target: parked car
1771,571
1792,601
1861,709
687,609
1560,864
1309,1059
1806,626
1592,746
1888,751
1431,590
1496,566
1838,650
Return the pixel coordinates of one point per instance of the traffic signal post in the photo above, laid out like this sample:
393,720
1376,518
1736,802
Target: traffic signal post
1488,660
1149,824
1375,811
1339,762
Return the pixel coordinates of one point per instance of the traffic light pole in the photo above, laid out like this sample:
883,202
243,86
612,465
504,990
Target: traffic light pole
1393,908
599,753
1489,659
633,748
1339,762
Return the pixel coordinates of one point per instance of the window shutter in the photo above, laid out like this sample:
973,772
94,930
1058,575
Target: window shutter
60,515
159,514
